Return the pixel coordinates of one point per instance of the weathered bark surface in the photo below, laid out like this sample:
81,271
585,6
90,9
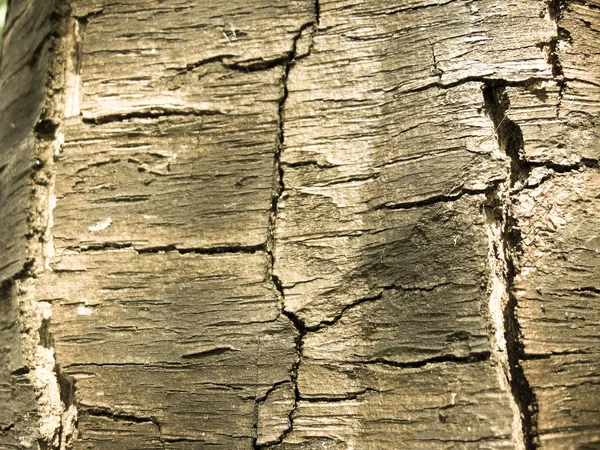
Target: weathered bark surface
29,394
22,79
557,293
300,224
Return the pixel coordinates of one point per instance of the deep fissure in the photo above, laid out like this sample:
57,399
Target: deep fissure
56,413
450,197
127,417
505,243
374,298
348,397
151,113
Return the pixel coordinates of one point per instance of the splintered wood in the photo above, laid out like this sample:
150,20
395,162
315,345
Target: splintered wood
274,224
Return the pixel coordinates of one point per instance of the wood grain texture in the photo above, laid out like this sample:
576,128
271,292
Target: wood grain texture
579,55
381,239
182,187
552,134
274,414
556,219
405,326
328,268
186,107
559,314
567,392
376,144
379,176
560,119
106,433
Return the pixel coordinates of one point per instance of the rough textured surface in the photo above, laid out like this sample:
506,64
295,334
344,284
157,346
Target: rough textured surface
377,406
23,67
17,395
30,402
114,328
346,259
160,62
557,218
560,119
558,221
302,225
558,304
566,388
180,191
106,433
274,414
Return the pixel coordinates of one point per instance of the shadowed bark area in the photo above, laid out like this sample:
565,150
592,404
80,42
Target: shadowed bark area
300,224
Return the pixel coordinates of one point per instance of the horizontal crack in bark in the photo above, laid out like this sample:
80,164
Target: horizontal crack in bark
474,357
247,249
543,356
150,113
336,399
529,82
436,199
118,416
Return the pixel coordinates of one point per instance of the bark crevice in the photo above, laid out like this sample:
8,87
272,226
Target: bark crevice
556,9
473,357
216,250
150,113
371,299
504,238
279,188
447,198
123,417
528,83
118,416
348,397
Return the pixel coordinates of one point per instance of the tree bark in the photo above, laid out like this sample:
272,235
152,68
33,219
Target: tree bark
302,224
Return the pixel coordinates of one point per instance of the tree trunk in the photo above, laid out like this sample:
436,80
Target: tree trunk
301,224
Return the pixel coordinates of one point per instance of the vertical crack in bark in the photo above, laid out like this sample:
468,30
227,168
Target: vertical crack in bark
56,413
556,10
296,54
436,69
504,241
278,191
